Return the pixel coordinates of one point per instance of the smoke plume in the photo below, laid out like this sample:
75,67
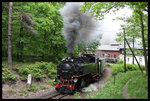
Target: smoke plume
78,26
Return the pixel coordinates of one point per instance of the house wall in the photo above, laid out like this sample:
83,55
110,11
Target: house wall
111,53
129,59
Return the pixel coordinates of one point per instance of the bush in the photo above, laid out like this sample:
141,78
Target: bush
52,76
52,82
108,65
7,75
24,71
38,76
116,68
37,70
16,69
120,61
134,67
131,67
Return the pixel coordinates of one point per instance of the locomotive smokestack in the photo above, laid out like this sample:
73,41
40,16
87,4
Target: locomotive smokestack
78,26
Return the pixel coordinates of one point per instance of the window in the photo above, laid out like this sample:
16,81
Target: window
128,59
103,55
108,55
115,56
140,60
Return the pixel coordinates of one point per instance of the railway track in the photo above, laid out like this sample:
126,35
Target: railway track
58,96
51,95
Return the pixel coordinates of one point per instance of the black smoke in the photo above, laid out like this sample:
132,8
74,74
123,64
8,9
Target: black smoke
78,26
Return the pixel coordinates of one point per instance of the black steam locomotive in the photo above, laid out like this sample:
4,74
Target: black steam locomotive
76,72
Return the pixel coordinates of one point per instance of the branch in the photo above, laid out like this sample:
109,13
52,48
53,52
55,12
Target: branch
5,6
145,10
110,8
27,18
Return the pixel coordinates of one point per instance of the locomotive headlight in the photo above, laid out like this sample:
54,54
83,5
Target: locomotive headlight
75,80
71,60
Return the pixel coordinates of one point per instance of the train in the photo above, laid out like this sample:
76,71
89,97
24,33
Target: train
76,72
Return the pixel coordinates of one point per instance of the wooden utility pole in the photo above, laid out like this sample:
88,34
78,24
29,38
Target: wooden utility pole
143,41
133,47
133,55
9,36
124,51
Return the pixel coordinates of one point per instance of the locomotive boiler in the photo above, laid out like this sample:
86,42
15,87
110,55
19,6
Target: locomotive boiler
75,72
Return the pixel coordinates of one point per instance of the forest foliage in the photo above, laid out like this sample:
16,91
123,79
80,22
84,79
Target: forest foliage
36,31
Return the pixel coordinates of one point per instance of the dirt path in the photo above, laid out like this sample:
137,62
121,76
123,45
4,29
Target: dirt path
103,80
12,91
124,92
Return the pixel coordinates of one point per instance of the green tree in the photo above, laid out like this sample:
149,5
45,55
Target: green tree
132,33
36,29
91,46
100,9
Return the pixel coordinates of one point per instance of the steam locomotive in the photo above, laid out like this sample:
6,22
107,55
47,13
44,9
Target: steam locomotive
76,72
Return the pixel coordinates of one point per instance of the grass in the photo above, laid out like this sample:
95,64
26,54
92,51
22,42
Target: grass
23,92
33,88
5,63
42,87
108,65
11,90
114,91
138,87
77,95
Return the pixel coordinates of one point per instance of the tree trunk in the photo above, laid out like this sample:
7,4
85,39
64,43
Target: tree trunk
9,37
21,43
143,41
124,51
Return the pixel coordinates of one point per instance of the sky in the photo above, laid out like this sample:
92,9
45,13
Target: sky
110,27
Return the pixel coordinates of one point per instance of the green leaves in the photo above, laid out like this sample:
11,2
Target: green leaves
99,9
7,75
117,68
37,70
133,25
49,23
